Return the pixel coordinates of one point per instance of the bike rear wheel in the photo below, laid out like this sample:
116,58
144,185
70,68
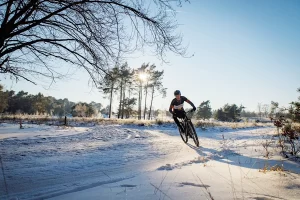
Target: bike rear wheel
193,133
183,135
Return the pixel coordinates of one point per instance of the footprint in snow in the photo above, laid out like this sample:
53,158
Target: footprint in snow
166,167
127,185
192,184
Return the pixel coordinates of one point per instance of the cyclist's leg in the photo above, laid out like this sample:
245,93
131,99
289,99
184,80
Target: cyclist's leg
182,116
178,123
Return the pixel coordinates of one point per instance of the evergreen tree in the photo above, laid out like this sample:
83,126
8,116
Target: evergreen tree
274,112
109,85
295,109
129,103
83,110
140,76
40,103
156,86
229,113
124,79
3,100
204,110
24,103
220,115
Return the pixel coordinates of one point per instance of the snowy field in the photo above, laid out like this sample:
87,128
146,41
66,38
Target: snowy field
132,162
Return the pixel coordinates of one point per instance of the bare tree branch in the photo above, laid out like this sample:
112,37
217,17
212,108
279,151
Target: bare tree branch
92,34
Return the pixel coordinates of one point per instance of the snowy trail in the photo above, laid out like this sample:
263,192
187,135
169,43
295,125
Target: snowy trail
50,162
130,162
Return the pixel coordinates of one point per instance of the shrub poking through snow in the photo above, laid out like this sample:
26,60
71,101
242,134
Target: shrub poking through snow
275,168
288,130
288,136
159,122
266,144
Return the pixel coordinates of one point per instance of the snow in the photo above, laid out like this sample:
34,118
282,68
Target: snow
134,162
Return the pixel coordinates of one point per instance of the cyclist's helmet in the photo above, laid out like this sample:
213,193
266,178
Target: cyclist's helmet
177,92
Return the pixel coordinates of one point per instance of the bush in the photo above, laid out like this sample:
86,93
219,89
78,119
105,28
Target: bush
159,122
288,136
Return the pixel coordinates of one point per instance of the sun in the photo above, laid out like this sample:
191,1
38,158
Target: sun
143,76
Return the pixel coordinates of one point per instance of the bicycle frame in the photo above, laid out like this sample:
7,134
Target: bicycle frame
189,129
185,121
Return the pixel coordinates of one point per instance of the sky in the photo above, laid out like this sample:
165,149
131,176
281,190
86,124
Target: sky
244,52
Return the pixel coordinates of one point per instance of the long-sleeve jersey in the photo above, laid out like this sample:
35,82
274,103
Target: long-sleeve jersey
177,106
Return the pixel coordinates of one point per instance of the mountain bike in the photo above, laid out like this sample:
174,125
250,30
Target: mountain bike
188,128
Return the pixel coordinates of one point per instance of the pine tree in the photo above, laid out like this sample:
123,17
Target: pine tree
3,100
156,86
295,109
125,76
220,115
108,85
40,103
229,113
129,103
204,110
139,79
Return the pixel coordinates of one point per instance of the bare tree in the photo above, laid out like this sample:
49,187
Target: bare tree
35,35
259,108
265,110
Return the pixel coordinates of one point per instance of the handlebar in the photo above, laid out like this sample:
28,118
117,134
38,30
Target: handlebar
189,111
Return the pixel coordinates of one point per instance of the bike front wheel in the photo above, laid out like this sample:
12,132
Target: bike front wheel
193,133
183,135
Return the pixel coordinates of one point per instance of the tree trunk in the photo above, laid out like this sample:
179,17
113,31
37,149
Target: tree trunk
145,109
140,97
140,102
149,117
121,93
111,96
123,101
127,108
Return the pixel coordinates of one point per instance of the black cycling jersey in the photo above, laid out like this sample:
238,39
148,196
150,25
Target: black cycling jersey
177,106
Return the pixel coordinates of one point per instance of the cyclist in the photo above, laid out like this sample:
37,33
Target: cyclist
176,108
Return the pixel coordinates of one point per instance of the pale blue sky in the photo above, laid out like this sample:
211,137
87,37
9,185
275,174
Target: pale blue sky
245,52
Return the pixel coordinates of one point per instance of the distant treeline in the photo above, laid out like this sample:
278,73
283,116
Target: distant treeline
227,113
24,103
234,113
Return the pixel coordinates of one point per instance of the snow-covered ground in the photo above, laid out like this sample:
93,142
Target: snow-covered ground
131,162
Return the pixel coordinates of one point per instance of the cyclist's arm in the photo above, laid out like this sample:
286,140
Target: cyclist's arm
171,108
189,102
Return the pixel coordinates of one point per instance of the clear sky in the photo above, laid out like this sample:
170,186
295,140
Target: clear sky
245,52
